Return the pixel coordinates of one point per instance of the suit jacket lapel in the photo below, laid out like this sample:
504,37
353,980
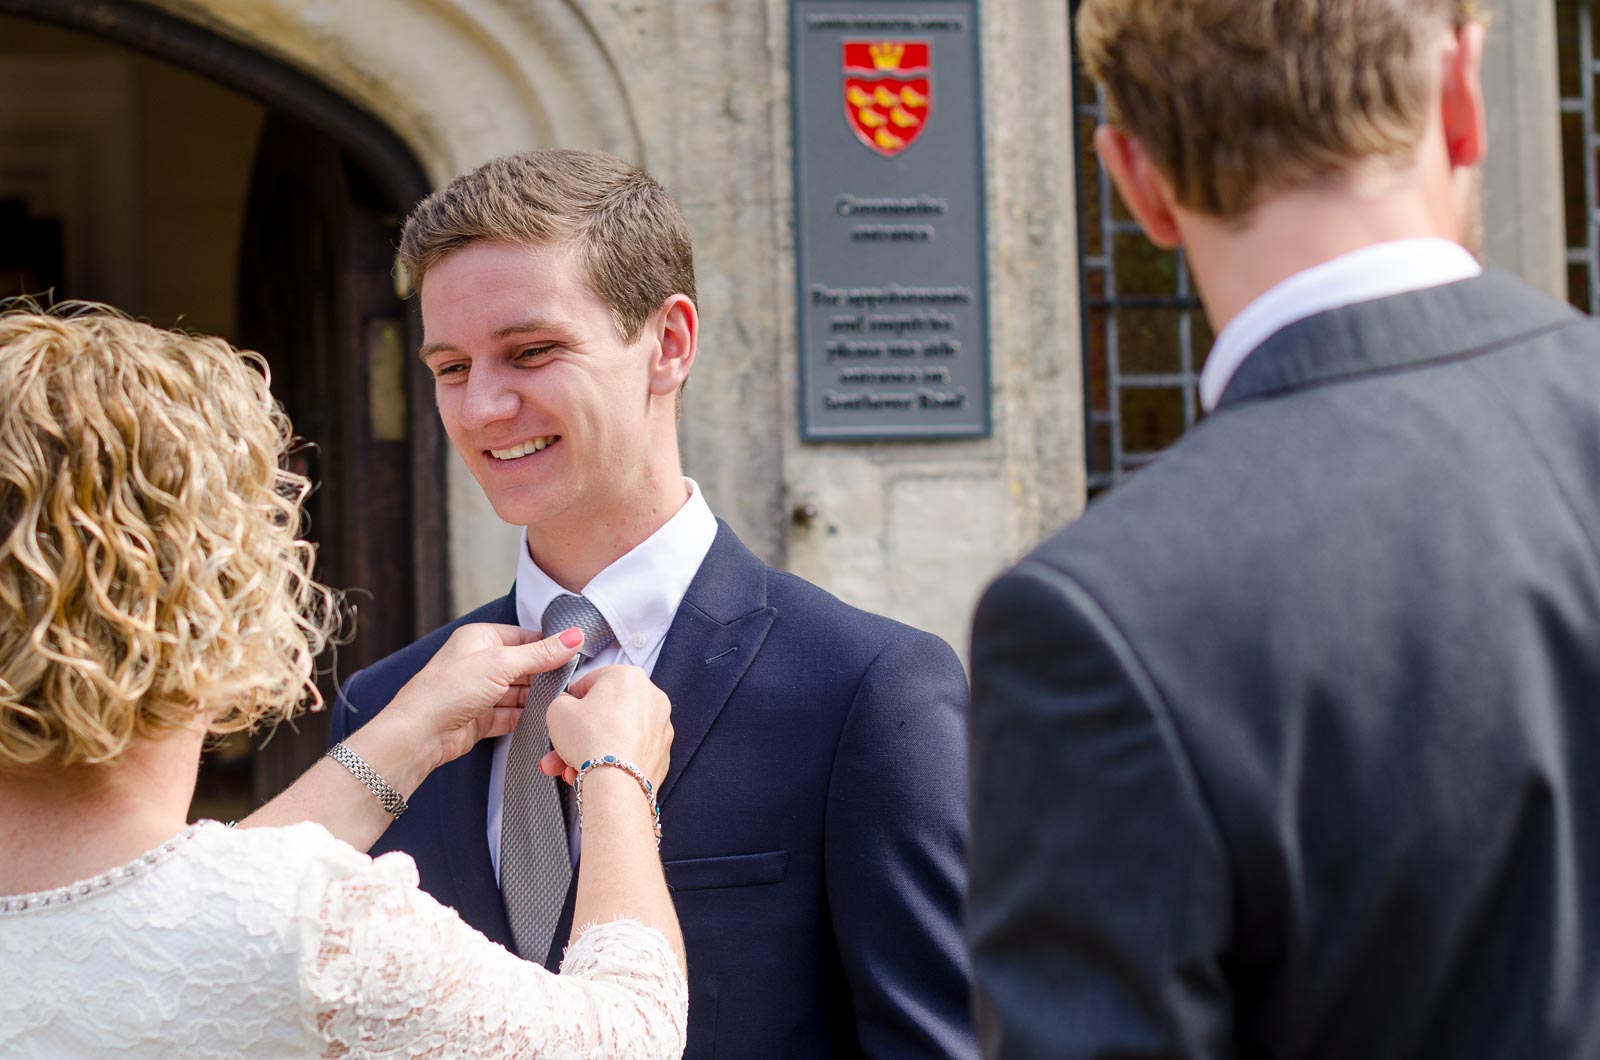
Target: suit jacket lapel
463,826
1453,320
719,627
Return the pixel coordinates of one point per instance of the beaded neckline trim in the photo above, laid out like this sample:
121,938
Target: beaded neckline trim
74,892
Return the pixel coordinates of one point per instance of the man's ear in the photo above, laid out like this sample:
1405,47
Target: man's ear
679,331
1144,190
1466,133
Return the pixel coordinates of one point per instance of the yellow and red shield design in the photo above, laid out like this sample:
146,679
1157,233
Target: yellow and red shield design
887,92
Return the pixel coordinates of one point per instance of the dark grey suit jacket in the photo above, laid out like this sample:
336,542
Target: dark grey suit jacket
1291,746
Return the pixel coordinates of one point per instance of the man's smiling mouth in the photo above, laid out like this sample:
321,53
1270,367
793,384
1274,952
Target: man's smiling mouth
533,445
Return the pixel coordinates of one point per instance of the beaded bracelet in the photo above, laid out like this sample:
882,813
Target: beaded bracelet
626,767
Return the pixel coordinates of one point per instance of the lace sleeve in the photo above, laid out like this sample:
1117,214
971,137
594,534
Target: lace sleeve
392,973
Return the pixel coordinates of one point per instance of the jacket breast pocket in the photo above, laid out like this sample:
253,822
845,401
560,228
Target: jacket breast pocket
737,870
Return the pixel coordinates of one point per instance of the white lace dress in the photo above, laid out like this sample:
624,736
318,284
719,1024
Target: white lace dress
285,942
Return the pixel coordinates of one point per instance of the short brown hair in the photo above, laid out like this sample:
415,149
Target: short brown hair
629,232
1236,98
151,568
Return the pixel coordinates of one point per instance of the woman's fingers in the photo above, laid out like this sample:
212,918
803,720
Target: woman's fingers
481,656
614,710
552,765
499,721
586,681
540,656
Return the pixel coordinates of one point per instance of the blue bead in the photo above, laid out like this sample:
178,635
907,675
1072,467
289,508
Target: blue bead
612,759
587,764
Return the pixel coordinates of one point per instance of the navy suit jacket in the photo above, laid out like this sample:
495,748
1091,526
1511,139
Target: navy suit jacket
1291,746
814,818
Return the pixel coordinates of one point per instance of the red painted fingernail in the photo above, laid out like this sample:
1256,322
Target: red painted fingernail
572,637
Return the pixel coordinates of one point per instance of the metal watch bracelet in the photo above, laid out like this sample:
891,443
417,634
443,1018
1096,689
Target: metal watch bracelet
391,799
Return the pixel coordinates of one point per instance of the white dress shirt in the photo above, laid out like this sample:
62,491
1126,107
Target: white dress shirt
1378,271
638,594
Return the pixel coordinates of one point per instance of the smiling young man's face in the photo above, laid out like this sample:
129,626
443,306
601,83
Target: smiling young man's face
547,405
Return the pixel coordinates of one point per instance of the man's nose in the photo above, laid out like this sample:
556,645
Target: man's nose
487,400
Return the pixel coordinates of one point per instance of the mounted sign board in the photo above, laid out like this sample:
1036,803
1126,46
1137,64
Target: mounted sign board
889,222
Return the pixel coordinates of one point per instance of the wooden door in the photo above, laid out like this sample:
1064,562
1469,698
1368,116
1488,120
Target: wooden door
316,299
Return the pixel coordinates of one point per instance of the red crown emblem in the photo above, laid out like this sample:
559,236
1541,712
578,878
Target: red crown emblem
888,93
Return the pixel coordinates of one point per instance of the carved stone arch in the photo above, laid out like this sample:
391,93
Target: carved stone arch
459,81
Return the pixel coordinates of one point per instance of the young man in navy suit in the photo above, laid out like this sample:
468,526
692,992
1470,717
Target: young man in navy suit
814,811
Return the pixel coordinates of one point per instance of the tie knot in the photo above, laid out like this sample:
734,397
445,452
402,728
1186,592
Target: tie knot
570,610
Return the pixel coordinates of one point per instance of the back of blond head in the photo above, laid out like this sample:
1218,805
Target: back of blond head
151,571
1236,99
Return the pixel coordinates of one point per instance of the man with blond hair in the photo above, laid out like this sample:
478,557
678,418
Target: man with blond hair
1290,747
813,815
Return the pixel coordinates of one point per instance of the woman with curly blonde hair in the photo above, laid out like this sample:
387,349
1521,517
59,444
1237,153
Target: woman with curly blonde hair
154,591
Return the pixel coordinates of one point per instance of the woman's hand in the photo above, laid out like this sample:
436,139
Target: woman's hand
475,686
614,710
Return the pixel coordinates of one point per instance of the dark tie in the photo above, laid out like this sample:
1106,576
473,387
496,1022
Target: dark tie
535,859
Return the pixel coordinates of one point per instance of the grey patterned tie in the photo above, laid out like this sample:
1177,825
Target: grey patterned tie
535,860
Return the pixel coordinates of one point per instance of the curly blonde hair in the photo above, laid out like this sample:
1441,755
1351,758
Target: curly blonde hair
151,568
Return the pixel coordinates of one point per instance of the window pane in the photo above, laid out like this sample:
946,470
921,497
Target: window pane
1152,419
1147,342
1097,360
1100,448
1572,175
1142,268
1567,47
1089,216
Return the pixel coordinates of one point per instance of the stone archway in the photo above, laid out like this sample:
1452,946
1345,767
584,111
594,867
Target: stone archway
459,81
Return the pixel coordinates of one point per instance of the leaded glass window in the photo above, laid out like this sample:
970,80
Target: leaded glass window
1145,337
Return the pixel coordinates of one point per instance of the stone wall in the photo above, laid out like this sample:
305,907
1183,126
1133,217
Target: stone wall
1523,205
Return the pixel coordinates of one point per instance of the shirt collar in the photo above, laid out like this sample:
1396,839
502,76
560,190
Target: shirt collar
1379,271
639,593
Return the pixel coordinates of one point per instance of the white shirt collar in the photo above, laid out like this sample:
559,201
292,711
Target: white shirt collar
640,592
1379,271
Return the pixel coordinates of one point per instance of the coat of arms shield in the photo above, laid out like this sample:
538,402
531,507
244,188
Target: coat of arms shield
888,92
